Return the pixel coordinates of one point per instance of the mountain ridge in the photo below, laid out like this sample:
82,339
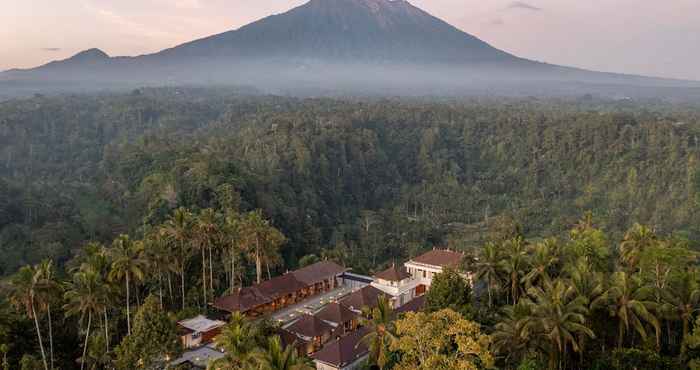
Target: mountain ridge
370,44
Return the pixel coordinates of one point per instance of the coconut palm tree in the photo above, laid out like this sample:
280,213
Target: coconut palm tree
380,322
261,240
486,268
682,301
587,282
511,336
47,289
629,302
85,296
636,240
559,317
514,265
238,340
23,295
232,235
158,255
543,258
276,357
206,233
178,230
128,265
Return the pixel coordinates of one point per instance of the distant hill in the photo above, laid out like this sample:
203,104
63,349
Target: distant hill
337,44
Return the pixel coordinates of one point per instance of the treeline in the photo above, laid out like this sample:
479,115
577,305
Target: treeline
177,268
375,180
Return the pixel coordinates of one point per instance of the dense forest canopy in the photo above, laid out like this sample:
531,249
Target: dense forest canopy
121,214
381,179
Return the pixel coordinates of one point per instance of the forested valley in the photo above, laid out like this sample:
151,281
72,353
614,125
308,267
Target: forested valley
586,204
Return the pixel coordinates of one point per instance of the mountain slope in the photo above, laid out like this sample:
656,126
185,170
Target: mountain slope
341,30
336,44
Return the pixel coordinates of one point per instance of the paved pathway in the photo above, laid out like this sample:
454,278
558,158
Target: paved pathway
310,306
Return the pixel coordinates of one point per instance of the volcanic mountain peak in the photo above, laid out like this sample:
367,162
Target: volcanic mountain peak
90,54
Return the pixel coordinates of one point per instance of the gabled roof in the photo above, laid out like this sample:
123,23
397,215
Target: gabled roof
440,258
242,301
343,351
415,305
277,287
365,297
280,286
288,338
201,324
318,272
310,326
336,313
393,273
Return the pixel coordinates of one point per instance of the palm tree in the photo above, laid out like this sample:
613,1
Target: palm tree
275,357
47,288
541,261
23,292
587,283
514,265
232,235
97,259
486,268
559,316
127,264
178,229
511,336
158,255
380,336
682,301
238,340
261,240
636,240
630,304
85,295
206,230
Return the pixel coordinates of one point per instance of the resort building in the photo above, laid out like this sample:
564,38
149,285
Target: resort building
345,353
283,291
398,285
341,318
363,298
313,331
425,266
198,331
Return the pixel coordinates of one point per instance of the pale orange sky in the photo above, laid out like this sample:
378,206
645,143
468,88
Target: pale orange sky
651,37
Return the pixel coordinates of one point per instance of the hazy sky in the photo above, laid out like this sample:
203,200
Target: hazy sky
652,37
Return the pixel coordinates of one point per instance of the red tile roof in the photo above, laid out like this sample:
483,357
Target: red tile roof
343,351
415,305
318,272
336,313
440,258
310,326
393,273
277,287
365,297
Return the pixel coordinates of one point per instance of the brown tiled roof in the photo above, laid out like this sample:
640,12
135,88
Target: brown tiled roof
365,297
336,313
280,286
288,338
393,273
310,326
242,301
277,287
441,258
343,351
414,305
318,272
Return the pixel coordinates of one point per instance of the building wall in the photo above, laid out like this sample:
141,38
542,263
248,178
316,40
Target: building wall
353,366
